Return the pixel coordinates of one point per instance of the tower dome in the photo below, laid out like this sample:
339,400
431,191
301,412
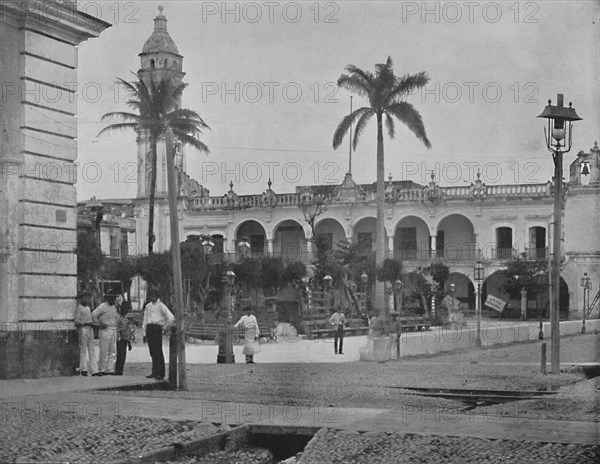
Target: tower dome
160,40
160,57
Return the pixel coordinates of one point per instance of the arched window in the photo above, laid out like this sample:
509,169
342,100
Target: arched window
166,62
152,64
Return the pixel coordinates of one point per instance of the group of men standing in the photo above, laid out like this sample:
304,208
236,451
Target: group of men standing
108,327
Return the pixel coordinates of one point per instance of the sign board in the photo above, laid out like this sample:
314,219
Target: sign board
495,303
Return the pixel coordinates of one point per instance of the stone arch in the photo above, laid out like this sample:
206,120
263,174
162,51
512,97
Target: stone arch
333,230
289,240
411,238
256,234
456,238
464,290
364,230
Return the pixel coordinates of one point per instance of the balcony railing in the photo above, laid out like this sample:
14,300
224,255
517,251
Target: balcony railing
398,195
450,254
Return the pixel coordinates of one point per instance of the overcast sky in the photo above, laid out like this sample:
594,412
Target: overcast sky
263,75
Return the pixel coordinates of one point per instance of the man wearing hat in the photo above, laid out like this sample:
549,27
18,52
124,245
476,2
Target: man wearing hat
85,328
157,318
106,317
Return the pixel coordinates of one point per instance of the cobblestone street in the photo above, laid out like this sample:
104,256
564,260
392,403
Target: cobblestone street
368,422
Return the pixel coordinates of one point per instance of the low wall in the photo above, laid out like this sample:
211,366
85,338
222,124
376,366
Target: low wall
441,339
38,353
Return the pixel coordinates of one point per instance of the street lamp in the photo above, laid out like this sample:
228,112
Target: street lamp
478,275
587,286
523,297
558,141
244,247
208,245
226,331
327,282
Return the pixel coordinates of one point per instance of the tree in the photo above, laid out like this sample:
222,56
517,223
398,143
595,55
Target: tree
157,107
196,268
386,94
528,274
156,270
123,271
89,262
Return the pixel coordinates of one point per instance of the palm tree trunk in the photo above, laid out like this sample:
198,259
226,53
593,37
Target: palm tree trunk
380,236
151,196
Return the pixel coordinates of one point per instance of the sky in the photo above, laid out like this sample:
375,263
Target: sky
263,76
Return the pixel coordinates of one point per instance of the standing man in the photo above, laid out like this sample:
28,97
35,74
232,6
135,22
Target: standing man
395,333
157,318
124,335
338,320
85,328
251,335
106,316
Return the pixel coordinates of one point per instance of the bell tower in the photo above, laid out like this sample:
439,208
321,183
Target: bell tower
159,59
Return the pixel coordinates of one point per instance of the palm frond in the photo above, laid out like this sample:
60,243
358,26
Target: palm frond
354,85
345,124
407,84
361,124
410,117
389,123
190,140
118,127
129,117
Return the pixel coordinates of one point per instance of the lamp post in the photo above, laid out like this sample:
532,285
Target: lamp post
364,280
558,141
523,298
478,277
398,293
587,285
327,282
226,331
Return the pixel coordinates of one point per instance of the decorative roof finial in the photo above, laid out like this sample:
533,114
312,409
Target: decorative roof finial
269,183
160,9
231,186
478,173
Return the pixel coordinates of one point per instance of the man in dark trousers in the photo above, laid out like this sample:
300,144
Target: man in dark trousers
157,318
338,320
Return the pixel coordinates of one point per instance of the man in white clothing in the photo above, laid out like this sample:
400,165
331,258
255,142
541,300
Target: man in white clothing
85,328
105,316
157,318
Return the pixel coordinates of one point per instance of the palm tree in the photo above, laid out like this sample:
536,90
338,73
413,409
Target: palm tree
156,106
386,93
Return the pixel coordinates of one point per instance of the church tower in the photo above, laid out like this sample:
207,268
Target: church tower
159,59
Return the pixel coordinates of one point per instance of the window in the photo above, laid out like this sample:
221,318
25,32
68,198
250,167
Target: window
152,64
114,244
124,245
365,241
406,242
504,243
257,244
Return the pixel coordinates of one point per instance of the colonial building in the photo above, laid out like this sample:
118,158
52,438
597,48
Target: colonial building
457,225
38,201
